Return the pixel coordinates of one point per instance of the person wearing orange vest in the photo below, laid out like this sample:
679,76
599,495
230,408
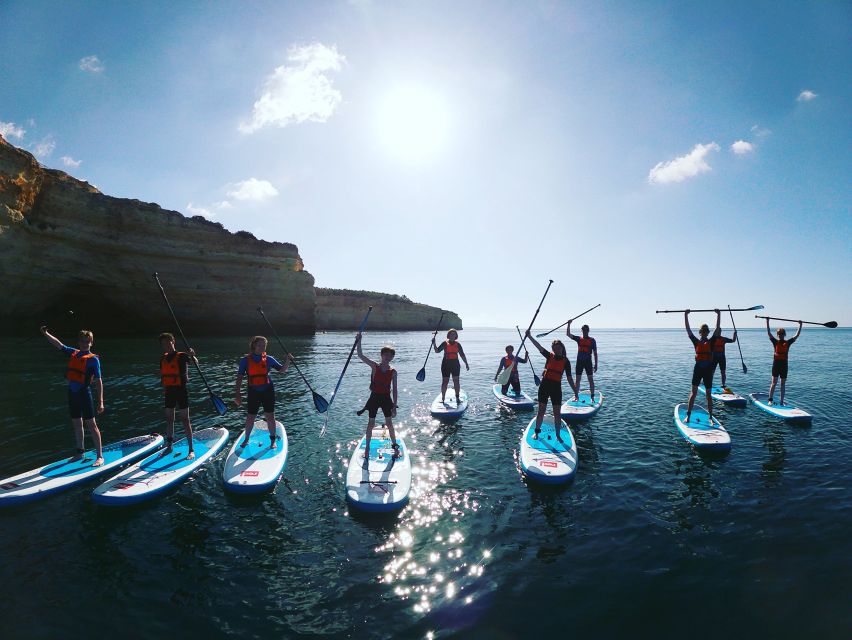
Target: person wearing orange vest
514,379
586,346
779,358
174,376
718,342
256,365
383,395
702,372
83,373
550,388
450,364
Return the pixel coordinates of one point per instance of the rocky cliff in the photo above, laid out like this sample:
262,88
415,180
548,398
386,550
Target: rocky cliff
344,309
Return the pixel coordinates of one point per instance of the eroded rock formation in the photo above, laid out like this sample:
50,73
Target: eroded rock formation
344,309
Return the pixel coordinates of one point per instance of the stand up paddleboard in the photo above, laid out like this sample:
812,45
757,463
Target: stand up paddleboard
449,408
724,395
66,473
786,412
518,402
257,466
161,471
381,483
546,459
584,408
699,432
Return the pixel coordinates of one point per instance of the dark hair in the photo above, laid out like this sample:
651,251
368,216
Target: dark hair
85,333
166,336
558,342
388,349
509,347
585,328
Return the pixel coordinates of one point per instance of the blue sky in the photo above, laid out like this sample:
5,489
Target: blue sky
643,155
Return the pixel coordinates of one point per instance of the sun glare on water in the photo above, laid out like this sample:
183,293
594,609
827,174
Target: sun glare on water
413,123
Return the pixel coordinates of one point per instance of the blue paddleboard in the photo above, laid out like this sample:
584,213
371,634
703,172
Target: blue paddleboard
583,408
724,395
257,466
786,412
699,431
449,408
514,401
380,483
546,459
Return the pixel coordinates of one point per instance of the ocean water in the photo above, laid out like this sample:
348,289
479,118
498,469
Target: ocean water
651,539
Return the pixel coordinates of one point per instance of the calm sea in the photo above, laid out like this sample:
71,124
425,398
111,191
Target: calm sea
650,540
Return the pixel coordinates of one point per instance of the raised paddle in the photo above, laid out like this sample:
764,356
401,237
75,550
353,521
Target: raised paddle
532,368
320,403
504,376
745,368
831,325
218,403
421,375
756,307
541,335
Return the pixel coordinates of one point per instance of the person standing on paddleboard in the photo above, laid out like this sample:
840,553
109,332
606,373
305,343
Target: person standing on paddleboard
551,383
174,375
718,342
382,387
702,372
83,373
450,364
586,346
514,379
256,365
779,358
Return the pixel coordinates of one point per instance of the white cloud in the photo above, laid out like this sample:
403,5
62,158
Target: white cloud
760,132
199,211
683,167
806,96
91,64
299,91
251,189
741,147
44,148
9,130
223,204
70,162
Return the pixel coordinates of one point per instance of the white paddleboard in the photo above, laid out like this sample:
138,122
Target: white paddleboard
546,459
522,401
383,483
786,412
256,467
161,471
699,432
449,408
66,473
724,395
584,408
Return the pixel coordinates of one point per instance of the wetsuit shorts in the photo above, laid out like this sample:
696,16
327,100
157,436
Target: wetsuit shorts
702,374
379,401
450,368
720,361
779,368
176,397
550,390
257,398
80,404
583,366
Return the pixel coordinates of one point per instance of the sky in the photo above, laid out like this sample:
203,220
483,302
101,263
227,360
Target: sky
644,156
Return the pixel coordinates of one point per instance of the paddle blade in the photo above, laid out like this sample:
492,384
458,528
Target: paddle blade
831,325
541,335
221,408
421,375
537,380
319,402
757,308
505,374
745,368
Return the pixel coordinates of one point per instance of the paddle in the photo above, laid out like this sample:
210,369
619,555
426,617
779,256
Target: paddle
218,403
830,325
532,368
45,324
757,307
541,335
504,376
421,375
745,368
320,403
340,379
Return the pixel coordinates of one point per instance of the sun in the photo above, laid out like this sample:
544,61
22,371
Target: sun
413,123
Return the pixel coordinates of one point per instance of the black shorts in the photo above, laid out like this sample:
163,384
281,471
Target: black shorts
779,368
257,398
720,362
550,390
582,366
379,401
515,381
450,368
176,397
80,404
702,373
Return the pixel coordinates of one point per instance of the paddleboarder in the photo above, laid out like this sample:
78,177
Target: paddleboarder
505,362
383,395
450,364
779,359
257,364
83,373
551,383
174,376
586,346
703,369
718,342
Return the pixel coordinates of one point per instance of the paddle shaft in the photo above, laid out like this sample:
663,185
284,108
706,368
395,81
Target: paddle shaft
351,351
830,325
532,368
754,308
286,350
434,333
745,369
541,335
507,372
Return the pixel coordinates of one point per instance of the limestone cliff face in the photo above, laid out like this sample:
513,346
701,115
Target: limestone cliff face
344,309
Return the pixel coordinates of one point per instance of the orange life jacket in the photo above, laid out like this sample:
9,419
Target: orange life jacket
781,349
554,368
258,372
380,381
718,345
451,350
170,371
703,352
77,367
584,346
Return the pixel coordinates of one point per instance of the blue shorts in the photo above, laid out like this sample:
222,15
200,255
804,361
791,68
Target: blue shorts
80,404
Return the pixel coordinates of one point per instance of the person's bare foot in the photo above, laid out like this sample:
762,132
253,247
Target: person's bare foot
99,462
190,455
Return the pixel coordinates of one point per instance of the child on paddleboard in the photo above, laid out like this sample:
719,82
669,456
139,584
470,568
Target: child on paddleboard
551,383
586,346
174,376
450,364
83,373
719,341
383,395
505,363
702,372
256,365
779,358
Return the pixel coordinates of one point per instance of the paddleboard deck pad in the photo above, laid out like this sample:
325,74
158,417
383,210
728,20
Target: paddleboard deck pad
699,431
546,459
724,395
380,483
257,466
584,408
522,401
786,412
449,408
